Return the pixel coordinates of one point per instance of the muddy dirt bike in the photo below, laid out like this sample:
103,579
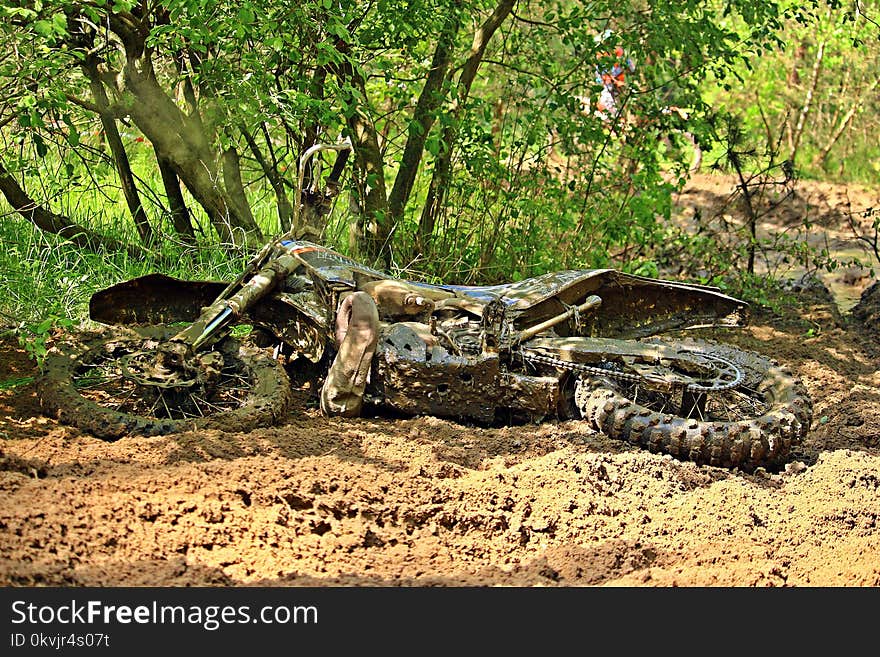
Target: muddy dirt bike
600,346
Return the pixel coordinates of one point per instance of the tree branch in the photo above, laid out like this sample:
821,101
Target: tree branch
48,221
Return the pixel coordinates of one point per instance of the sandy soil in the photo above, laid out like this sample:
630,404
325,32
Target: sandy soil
422,501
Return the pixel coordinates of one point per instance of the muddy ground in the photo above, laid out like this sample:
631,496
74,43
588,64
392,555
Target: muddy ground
423,501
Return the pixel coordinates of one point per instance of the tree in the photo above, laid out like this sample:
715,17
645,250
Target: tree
452,106
816,92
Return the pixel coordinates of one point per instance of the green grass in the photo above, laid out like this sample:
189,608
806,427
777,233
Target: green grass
9,384
44,276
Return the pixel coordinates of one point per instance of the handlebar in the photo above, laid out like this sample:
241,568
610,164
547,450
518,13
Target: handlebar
343,148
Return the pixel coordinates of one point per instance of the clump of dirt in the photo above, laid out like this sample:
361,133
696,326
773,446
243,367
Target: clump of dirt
867,310
369,501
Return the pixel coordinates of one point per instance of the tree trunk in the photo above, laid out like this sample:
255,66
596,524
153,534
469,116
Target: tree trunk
270,169
423,119
794,76
844,123
370,232
443,166
312,130
180,140
180,217
234,186
751,215
798,131
120,156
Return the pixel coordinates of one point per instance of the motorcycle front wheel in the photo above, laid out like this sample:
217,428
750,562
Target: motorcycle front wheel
746,424
96,381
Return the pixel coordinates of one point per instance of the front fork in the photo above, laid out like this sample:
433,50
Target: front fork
209,326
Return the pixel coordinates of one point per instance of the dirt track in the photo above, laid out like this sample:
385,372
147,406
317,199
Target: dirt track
422,501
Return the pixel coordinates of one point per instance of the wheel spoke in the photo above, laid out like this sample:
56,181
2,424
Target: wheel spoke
195,403
211,406
125,399
721,406
167,410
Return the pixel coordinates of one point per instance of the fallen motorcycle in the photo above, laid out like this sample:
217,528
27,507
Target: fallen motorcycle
599,346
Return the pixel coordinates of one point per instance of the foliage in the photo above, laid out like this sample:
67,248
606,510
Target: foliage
816,94
35,338
45,277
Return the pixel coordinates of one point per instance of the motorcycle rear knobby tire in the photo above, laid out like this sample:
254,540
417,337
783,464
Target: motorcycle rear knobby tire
746,443
268,396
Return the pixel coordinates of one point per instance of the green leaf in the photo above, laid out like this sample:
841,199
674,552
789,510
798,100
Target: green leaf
43,327
245,15
43,28
59,23
40,145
